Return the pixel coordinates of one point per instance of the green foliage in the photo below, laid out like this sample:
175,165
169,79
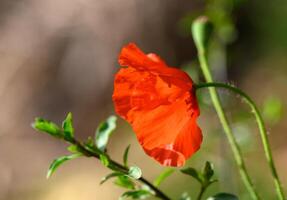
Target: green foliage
193,173
135,172
185,196
89,142
59,161
111,175
125,182
220,12
273,109
203,177
126,154
47,127
208,171
104,159
67,126
126,177
73,148
136,194
166,173
89,145
104,131
223,196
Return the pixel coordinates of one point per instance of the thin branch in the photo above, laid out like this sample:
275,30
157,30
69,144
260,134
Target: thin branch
122,168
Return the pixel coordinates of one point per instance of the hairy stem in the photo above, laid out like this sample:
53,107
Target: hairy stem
122,168
226,127
262,129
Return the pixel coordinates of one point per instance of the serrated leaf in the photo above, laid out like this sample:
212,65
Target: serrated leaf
126,155
166,173
223,196
47,127
68,127
109,176
135,172
194,173
104,159
125,182
104,131
136,194
59,161
208,171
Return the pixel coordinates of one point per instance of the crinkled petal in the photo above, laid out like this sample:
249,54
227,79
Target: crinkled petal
133,57
160,104
136,90
169,133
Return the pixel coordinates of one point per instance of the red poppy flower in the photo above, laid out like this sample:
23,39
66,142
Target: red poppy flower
160,104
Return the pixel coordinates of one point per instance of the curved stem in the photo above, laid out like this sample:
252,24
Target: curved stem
87,152
262,129
226,127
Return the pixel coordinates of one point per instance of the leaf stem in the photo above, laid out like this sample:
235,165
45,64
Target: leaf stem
202,189
122,168
262,129
226,127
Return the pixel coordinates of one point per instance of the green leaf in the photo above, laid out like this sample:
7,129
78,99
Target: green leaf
104,131
104,159
146,188
125,182
185,196
126,155
89,144
208,171
47,127
194,173
68,127
114,174
223,196
73,148
135,172
59,161
136,194
163,176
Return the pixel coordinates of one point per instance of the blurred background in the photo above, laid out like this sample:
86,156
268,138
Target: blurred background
58,56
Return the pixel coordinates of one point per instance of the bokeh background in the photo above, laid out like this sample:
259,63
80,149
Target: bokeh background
58,56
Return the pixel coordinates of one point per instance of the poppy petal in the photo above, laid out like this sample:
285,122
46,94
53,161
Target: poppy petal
156,58
132,56
140,90
160,104
169,133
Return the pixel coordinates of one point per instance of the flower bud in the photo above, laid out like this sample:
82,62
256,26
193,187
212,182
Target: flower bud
201,30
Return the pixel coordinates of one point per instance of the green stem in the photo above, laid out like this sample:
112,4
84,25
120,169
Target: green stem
226,127
202,189
262,129
122,168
